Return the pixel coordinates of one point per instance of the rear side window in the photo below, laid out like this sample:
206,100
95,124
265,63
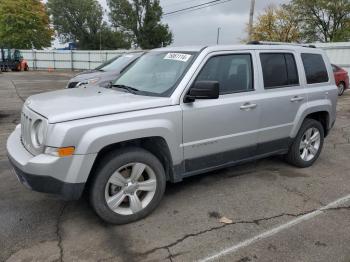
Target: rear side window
315,68
279,70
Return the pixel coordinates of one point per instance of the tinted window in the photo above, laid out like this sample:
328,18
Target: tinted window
292,71
233,72
279,70
315,68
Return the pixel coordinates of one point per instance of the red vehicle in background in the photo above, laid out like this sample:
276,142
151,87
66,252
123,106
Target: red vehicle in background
341,79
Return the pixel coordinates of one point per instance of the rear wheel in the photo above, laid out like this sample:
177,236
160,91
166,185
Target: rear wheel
341,88
307,145
127,186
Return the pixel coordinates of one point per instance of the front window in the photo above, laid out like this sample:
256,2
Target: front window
156,73
233,72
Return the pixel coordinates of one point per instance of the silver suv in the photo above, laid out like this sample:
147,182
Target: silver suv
174,113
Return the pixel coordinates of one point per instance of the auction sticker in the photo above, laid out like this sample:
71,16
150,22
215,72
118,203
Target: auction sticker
177,57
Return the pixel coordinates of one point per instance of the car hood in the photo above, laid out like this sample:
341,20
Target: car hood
103,75
77,103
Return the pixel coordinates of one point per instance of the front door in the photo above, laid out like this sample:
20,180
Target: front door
222,131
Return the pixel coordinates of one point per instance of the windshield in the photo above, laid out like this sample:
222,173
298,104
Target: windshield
119,62
156,72
106,63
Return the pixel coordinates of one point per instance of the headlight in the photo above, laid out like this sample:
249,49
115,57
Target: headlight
38,134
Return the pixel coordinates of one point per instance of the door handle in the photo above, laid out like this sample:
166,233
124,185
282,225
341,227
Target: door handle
248,106
297,99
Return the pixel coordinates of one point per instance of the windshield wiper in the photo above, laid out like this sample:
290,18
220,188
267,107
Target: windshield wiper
127,88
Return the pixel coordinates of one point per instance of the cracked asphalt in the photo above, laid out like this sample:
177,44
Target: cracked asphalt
257,197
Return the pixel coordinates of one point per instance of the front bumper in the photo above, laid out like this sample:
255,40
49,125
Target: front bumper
47,184
63,176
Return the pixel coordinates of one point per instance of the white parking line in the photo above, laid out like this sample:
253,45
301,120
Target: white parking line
277,229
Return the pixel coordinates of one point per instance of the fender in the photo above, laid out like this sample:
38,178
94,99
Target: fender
95,139
308,108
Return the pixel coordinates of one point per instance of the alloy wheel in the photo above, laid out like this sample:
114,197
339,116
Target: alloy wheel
130,188
310,144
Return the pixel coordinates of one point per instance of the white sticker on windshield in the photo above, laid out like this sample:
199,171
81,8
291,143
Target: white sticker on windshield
177,57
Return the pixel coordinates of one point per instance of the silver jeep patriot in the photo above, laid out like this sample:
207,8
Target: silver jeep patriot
174,113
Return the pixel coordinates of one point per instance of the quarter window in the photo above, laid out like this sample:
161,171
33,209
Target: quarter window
279,70
233,72
315,68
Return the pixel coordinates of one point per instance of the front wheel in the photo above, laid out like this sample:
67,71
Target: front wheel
128,185
307,145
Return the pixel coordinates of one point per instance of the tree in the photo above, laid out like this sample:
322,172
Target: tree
323,20
141,20
82,22
24,24
277,24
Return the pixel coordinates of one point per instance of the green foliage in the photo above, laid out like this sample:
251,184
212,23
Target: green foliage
24,24
81,21
277,24
323,20
141,20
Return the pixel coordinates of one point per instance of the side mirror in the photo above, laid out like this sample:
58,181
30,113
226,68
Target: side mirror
203,90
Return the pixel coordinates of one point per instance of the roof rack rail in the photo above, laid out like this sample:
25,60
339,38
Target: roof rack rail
279,43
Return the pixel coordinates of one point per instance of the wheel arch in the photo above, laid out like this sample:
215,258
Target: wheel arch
156,145
323,118
321,114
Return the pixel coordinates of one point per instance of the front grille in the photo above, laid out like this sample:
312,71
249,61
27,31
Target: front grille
72,84
26,125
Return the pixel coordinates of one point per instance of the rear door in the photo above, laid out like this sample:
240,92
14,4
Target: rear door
283,96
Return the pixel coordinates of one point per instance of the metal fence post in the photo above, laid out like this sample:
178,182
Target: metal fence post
89,58
34,60
71,60
54,61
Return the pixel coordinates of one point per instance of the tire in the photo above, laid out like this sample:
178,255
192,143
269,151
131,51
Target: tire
341,89
305,157
123,193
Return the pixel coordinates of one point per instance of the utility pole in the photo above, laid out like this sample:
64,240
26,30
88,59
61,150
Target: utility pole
251,19
218,36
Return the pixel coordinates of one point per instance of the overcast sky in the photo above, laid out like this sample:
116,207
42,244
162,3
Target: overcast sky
200,27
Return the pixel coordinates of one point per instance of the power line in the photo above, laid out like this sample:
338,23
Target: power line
180,3
199,6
